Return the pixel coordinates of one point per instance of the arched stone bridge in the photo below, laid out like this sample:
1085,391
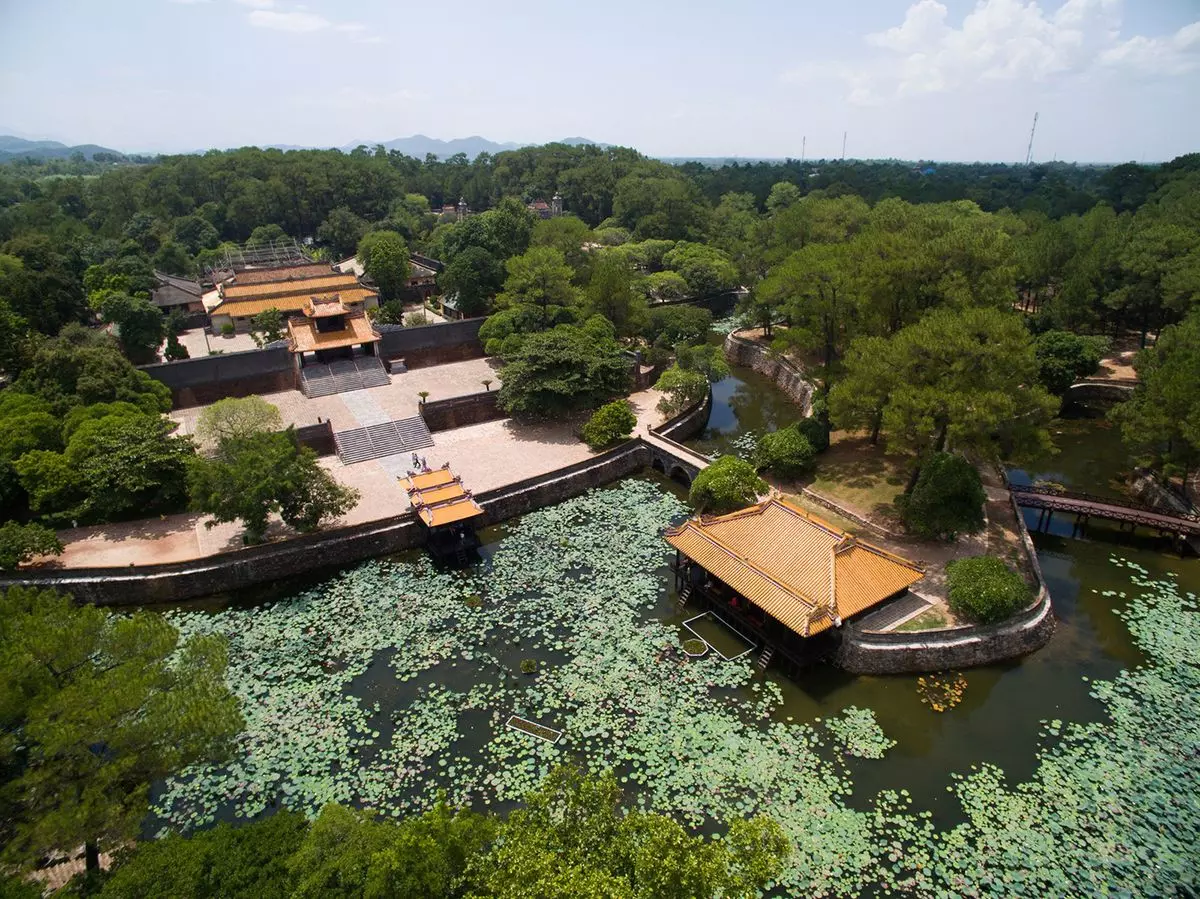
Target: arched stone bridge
1105,390
676,461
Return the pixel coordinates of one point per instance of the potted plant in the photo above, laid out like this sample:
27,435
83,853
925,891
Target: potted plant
227,329
424,395
487,384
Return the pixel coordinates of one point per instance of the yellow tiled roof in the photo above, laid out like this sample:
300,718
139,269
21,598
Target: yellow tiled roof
799,569
327,282
440,498
305,337
296,303
282,273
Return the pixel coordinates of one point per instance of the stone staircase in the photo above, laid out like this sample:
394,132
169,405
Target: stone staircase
387,439
343,376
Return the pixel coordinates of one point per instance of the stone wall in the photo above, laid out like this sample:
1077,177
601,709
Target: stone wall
206,379
432,344
322,552
787,377
1099,393
318,438
459,411
911,652
689,423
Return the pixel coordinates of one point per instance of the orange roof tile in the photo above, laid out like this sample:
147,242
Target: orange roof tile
305,337
440,498
329,282
282,273
427,479
296,303
798,568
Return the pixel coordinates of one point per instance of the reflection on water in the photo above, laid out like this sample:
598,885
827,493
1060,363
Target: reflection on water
745,402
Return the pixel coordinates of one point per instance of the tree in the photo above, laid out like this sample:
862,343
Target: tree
95,709
268,326
21,542
669,326
947,500
653,203
14,337
680,389
563,371
174,259
783,195
610,293
540,278
705,358
706,269
1160,423
233,418
964,378
611,423
473,277
174,350
727,484
662,286
266,234
342,230
565,233
139,325
985,590
787,452
195,233
385,260
1063,358
256,474
246,861
118,466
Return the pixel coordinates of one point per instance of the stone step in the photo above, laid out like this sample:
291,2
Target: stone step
386,439
343,376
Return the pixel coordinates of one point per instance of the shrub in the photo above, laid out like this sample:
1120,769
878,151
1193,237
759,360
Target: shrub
609,424
727,484
985,590
21,542
787,452
947,500
227,329
680,389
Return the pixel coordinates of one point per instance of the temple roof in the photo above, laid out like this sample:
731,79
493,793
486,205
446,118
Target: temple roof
305,337
291,291
801,570
439,497
324,306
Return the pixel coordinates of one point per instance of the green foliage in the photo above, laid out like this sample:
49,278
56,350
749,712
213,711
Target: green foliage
967,379
786,452
565,233
680,389
256,473
342,230
249,861
1160,423
704,358
96,708
233,418
727,484
985,590
473,277
563,371
669,326
266,234
228,329
384,256
610,294
540,278
704,268
21,542
389,313
67,374
174,350
505,331
946,501
120,465
661,204
268,326
1063,358
139,324
609,424
662,286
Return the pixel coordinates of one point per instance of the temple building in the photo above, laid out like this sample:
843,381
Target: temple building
784,576
328,330
447,509
289,289
421,283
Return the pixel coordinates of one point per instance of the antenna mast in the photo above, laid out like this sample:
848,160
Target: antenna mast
843,146
803,145
1029,152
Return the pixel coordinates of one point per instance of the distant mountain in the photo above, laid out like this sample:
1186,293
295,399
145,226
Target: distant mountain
19,148
419,145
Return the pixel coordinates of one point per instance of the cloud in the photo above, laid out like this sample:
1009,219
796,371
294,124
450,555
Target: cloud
188,2
297,22
256,4
998,41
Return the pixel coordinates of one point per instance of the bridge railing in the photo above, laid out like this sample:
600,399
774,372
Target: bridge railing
1034,490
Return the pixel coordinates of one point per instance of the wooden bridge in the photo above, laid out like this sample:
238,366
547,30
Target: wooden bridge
1086,505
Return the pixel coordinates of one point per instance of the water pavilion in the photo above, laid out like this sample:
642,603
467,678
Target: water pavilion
786,578
447,510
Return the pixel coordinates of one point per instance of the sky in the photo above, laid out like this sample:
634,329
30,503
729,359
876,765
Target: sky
933,79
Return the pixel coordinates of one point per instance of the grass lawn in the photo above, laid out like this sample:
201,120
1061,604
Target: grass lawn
860,476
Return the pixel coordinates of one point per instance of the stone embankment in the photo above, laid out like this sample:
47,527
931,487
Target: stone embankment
787,377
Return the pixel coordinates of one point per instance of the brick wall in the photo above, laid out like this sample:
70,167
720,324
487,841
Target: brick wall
459,411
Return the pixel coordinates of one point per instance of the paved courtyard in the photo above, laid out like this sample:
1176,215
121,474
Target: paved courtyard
488,455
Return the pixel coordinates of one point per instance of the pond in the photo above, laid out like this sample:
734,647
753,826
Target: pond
391,681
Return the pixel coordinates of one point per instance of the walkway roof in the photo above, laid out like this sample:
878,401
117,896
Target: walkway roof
798,568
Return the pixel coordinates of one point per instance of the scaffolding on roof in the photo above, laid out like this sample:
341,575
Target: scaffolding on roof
276,254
